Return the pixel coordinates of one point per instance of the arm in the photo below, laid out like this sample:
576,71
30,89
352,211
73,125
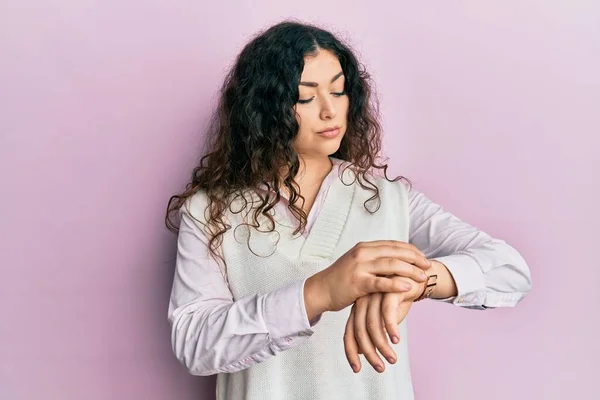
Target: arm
212,333
475,270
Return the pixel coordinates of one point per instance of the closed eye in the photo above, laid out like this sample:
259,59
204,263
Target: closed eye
336,94
306,101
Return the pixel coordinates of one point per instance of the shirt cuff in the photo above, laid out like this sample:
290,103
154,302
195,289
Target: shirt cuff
469,279
285,314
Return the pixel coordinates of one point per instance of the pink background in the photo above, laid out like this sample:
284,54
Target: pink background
492,108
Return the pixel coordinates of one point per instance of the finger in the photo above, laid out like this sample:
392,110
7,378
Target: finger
410,256
393,243
404,250
362,336
376,284
376,330
350,344
368,252
401,268
402,311
389,305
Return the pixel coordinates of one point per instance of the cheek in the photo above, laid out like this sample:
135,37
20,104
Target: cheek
303,136
346,105
303,127
304,121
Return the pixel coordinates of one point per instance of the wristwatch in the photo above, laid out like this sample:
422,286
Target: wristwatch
428,289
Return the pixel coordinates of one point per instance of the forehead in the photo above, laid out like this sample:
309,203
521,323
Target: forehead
320,68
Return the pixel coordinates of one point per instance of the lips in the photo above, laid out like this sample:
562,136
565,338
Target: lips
330,133
329,129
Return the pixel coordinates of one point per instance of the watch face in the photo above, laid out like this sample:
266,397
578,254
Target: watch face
429,286
431,282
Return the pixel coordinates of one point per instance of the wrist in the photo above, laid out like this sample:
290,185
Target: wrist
446,286
315,298
415,291
428,287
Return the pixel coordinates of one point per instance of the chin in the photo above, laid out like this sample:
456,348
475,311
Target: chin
323,151
329,150
331,147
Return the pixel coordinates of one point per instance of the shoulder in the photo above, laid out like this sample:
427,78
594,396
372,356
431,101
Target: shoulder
374,178
373,185
393,192
193,213
196,205
202,208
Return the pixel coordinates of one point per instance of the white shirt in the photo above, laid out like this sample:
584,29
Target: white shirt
488,273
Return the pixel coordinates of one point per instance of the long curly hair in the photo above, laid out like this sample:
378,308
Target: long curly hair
254,125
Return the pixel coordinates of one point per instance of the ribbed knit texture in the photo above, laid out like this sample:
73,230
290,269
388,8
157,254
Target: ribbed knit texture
259,262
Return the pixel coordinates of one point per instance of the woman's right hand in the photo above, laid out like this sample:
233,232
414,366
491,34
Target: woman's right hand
364,269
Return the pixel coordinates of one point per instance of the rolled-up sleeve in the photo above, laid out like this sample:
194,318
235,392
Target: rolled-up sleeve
487,271
212,333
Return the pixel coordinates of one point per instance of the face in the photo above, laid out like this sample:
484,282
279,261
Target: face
323,104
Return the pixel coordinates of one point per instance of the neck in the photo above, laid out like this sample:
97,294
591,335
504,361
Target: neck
312,171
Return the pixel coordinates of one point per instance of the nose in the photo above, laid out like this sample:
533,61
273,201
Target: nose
327,110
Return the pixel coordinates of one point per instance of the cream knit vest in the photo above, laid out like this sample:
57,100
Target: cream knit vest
258,262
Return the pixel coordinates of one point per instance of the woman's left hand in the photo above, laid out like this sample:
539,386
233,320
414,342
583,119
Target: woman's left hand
370,318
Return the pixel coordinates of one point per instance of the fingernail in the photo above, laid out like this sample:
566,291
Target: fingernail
354,368
379,368
391,360
423,275
406,286
395,339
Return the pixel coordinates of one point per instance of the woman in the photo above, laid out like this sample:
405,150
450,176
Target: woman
290,218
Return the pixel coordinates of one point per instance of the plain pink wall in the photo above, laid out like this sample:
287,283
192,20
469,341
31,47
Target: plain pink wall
492,108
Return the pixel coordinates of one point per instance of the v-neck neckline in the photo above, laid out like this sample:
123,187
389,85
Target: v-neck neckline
322,239
327,180
336,163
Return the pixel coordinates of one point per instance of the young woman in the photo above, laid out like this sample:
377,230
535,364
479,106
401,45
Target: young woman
290,219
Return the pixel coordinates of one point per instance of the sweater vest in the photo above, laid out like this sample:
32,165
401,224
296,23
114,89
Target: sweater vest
258,261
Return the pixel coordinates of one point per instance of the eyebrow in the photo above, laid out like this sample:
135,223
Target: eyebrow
315,84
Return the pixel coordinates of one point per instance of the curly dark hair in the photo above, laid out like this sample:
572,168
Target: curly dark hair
254,125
